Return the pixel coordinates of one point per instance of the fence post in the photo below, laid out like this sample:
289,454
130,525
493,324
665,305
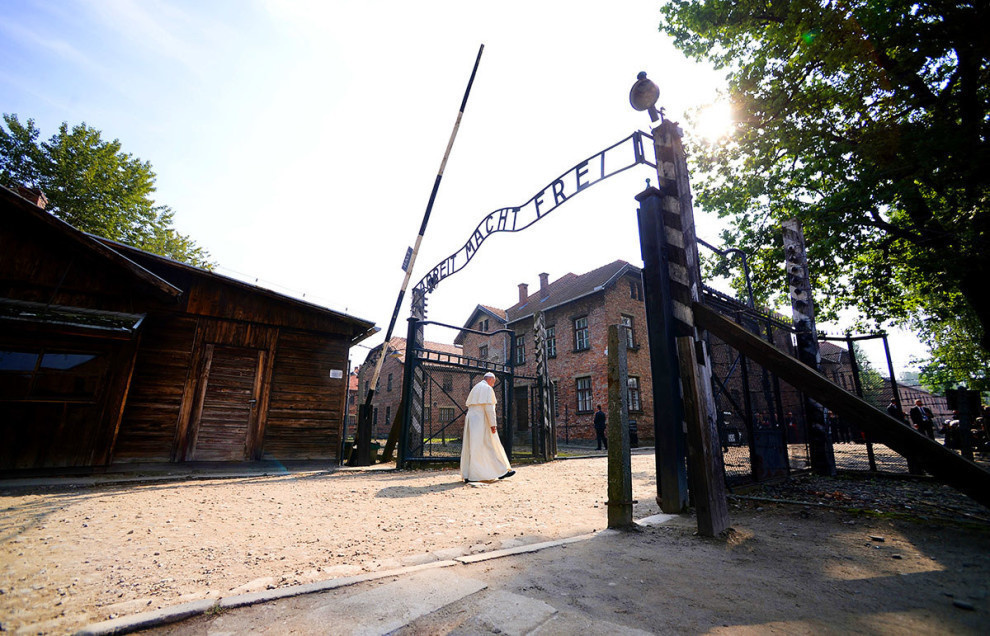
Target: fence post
854,363
548,429
803,311
620,501
412,393
672,487
680,242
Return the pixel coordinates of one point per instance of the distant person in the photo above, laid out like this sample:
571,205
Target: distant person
482,455
759,421
600,423
790,425
895,411
923,419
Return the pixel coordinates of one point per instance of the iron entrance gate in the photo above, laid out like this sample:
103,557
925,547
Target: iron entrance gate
437,384
760,421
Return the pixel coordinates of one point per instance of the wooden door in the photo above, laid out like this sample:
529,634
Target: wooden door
228,404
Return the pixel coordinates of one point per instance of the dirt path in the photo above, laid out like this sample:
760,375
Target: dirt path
69,557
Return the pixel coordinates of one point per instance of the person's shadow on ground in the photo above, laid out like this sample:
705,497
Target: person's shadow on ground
399,492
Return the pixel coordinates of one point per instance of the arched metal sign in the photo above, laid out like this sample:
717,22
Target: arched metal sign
615,159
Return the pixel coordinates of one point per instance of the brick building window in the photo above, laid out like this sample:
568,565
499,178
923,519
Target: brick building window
581,342
584,395
374,416
448,382
483,325
627,322
483,352
427,413
446,414
389,386
366,386
388,414
520,349
632,394
551,342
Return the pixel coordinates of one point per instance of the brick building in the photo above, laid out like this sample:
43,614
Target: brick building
352,396
578,310
388,394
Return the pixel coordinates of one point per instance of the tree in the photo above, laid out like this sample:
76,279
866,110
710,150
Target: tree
869,121
94,186
955,359
876,388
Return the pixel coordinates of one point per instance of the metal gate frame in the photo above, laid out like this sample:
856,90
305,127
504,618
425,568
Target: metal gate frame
412,387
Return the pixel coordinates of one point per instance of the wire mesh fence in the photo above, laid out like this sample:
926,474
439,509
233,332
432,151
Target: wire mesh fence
763,420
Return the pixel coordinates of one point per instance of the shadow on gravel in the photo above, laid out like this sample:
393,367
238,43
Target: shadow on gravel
400,492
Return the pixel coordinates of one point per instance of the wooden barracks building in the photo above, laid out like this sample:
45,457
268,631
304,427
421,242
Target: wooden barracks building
111,355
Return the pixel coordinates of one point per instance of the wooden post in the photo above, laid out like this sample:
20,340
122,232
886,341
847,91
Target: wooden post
704,451
803,311
671,454
620,501
685,290
393,434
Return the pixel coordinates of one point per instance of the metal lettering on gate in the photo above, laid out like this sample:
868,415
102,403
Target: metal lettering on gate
607,163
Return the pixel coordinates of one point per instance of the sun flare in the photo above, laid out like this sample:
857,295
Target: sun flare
715,121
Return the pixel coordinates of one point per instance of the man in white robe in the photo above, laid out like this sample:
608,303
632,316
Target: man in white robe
482,455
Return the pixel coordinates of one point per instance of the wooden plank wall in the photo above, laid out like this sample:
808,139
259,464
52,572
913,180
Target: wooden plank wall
305,413
154,404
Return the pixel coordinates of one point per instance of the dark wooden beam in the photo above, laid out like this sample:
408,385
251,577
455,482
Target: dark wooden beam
704,450
941,462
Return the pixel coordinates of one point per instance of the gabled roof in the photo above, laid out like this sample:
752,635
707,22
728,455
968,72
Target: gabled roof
571,287
483,310
135,263
494,311
397,348
363,328
27,212
831,353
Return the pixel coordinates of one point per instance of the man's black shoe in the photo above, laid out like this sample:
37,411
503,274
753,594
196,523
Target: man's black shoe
508,474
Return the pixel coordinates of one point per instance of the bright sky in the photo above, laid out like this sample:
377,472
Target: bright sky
298,140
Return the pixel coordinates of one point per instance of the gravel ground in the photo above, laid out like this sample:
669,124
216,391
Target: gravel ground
70,556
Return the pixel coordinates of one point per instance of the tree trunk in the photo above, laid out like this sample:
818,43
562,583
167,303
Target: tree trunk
974,286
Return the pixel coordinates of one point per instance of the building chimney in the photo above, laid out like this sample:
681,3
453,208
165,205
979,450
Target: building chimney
34,195
523,293
544,285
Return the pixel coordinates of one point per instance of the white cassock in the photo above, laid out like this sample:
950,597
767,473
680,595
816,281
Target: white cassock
482,455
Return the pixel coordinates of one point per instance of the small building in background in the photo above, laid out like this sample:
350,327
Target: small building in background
110,355
445,400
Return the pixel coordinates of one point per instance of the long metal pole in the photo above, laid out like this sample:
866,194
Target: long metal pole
412,259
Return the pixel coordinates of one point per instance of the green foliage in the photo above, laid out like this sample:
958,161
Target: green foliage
94,186
869,121
876,389
955,359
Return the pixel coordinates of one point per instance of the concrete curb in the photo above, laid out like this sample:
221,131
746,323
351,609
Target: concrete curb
166,615
523,549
